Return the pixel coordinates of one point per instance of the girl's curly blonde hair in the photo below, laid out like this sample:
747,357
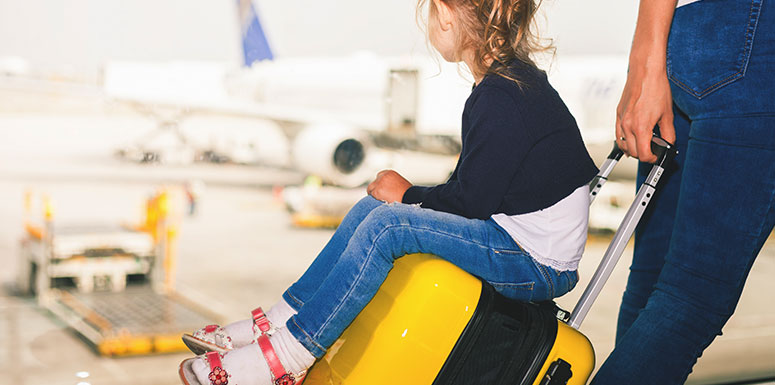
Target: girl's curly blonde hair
500,30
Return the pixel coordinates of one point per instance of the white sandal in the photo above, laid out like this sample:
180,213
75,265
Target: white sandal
219,376
213,338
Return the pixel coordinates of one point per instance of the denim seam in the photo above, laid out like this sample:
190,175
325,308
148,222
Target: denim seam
737,116
307,336
425,227
551,283
706,91
769,208
749,30
525,285
483,245
294,299
509,252
546,277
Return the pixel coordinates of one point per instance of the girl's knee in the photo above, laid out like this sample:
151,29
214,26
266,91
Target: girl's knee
390,214
363,207
367,203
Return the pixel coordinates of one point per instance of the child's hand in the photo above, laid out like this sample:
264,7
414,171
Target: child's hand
389,186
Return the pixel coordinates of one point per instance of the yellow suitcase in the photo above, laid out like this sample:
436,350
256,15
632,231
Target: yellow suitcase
433,323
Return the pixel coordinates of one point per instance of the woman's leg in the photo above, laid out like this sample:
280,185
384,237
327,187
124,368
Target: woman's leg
726,210
726,203
391,231
652,236
306,286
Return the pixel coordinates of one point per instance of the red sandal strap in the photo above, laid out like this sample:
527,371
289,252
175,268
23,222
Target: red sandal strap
260,320
279,375
214,360
218,375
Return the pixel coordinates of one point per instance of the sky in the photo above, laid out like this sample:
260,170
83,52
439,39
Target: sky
79,36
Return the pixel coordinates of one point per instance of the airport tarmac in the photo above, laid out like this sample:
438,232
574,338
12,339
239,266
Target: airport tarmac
239,250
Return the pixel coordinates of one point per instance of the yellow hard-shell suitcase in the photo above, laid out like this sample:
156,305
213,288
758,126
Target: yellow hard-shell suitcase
433,323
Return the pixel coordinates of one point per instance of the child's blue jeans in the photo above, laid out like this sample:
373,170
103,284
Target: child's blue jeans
352,266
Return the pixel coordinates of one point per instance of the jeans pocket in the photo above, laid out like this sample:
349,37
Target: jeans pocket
521,251
522,291
710,44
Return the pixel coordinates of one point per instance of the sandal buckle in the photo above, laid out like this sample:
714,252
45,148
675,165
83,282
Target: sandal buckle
261,321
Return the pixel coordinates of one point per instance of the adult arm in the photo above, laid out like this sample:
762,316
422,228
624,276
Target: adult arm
646,100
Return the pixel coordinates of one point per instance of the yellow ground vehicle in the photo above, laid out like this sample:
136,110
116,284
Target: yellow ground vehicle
81,273
432,323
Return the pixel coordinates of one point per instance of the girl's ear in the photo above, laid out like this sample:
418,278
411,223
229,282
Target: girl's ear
445,14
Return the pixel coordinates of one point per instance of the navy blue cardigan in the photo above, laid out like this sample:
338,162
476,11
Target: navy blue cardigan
522,151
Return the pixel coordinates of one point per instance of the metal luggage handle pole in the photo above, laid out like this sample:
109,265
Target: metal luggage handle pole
665,153
599,180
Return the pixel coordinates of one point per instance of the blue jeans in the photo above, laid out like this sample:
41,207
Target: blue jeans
716,207
352,266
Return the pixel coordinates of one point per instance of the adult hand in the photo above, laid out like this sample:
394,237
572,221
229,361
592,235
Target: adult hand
389,186
646,101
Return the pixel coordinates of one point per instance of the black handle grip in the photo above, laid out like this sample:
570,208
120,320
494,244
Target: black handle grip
616,152
664,150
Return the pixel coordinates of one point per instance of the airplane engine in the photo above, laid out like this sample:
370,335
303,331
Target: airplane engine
336,153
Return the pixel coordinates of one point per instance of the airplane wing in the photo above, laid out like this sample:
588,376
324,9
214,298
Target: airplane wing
412,103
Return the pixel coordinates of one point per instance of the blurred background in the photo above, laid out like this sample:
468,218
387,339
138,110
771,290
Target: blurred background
168,164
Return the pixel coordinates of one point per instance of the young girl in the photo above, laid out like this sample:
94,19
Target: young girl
514,212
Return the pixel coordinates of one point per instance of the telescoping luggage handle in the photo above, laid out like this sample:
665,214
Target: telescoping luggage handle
665,153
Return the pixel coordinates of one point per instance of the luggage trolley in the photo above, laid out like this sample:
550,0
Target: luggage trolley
433,323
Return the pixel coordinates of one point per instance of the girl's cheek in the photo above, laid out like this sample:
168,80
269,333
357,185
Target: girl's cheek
433,37
433,25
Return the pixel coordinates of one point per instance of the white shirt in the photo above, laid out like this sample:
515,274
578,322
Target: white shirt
556,235
681,3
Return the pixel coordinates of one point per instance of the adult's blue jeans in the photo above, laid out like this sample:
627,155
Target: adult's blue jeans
715,207
352,266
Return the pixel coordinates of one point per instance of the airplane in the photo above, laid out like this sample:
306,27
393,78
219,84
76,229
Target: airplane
339,118
13,66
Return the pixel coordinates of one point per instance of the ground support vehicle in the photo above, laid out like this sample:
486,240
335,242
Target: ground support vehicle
113,284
